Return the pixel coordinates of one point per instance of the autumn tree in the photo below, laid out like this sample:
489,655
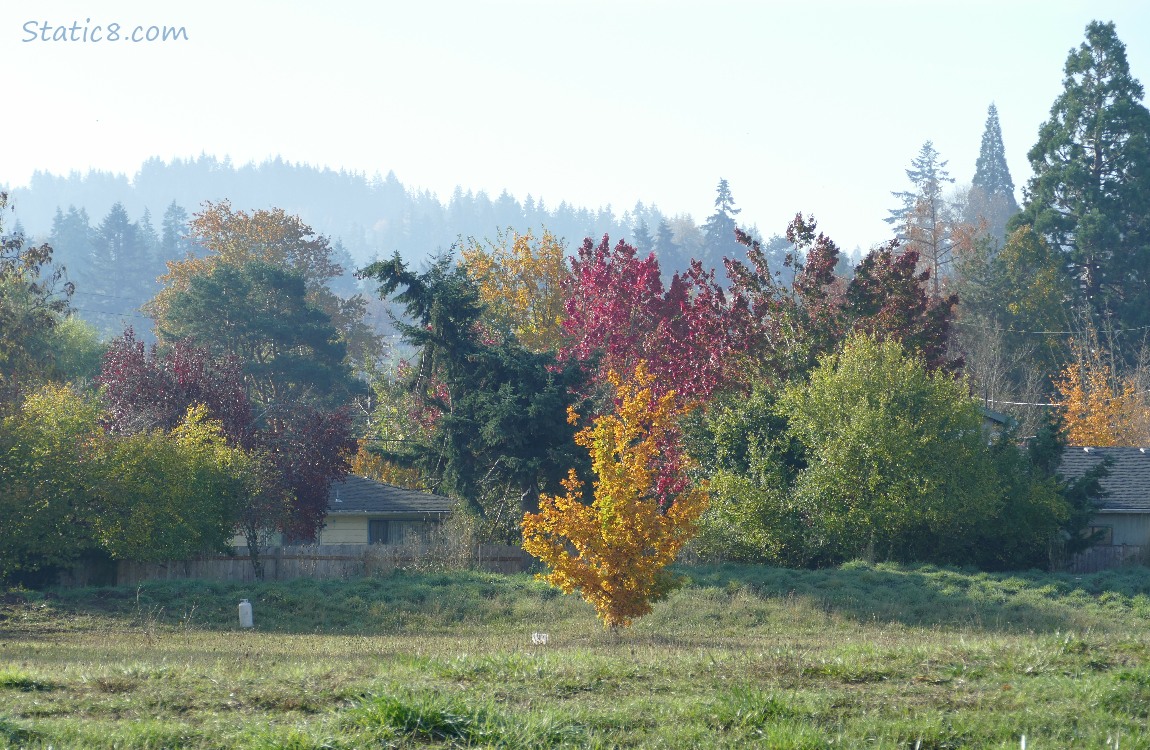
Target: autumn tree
1098,406
790,326
618,313
614,551
144,388
887,298
235,239
794,308
294,449
1089,194
523,283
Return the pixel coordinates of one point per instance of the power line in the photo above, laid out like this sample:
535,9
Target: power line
1043,333
101,294
111,312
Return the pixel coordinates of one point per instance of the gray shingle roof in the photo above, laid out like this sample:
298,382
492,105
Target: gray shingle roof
359,495
1128,482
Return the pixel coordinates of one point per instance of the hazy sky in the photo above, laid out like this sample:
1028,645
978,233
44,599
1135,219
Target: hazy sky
802,106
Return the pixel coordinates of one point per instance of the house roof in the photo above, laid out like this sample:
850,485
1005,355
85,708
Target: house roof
997,417
1128,482
359,495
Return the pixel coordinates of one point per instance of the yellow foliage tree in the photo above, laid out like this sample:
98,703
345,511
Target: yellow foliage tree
1098,408
522,282
613,551
365,463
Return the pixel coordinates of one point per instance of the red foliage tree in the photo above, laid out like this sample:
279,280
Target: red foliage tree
888,298
146,389
620,314
687,335
793,325
790,326
309,447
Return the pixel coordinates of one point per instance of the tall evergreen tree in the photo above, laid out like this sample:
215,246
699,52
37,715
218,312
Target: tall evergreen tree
925,219
991,196
665,249
643,240
174,244
719,229
928,174
1090,194
119,278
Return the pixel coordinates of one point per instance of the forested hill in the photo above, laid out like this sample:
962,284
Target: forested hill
115,234
370,216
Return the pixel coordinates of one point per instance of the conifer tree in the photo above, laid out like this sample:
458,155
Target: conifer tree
924,220
1090,194
992,190
719,230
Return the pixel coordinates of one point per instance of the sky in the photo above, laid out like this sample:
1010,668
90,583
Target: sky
815,106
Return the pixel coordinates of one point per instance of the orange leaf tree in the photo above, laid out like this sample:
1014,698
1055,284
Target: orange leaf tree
614,550
1099,408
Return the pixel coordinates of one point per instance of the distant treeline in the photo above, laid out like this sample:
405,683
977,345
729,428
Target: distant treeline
115,234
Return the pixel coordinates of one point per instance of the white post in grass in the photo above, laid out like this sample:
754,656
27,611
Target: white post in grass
245,614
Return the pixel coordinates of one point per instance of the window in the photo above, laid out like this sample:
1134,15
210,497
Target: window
377,532
1102,535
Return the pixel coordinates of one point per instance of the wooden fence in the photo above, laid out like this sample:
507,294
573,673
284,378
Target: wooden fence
1104,557
329,561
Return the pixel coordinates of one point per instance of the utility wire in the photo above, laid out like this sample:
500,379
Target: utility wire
1042,333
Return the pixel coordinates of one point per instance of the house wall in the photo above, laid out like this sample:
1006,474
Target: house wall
273,540
1126,528
353,529
343,530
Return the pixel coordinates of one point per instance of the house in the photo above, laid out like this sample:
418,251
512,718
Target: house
1123,516
364,511
994,423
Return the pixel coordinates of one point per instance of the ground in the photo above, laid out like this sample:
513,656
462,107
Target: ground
862,656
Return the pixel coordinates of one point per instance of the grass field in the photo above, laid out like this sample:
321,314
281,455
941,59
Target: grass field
862,656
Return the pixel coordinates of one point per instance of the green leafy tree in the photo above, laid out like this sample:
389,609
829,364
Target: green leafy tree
34,296
46,479
896,454
742,445
77,350
1090,194
1009,297
167,496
